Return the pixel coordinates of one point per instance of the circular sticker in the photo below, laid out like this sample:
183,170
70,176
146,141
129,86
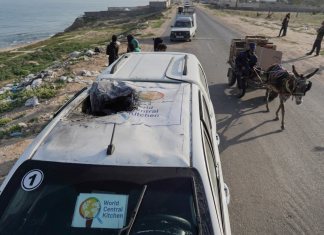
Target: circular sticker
32,180
150,95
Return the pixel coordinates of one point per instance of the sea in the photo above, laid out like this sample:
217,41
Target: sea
26,21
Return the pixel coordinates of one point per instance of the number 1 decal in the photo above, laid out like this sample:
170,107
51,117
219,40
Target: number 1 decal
32,180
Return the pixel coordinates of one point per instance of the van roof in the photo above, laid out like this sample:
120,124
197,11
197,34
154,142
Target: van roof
155,134
151,66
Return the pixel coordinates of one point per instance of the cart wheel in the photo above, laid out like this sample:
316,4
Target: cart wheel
231,77
241,85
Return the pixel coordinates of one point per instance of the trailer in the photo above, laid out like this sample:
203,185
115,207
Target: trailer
267,54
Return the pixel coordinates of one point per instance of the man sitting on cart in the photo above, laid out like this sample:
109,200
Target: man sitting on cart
245,62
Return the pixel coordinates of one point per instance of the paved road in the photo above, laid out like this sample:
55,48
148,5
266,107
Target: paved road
276,178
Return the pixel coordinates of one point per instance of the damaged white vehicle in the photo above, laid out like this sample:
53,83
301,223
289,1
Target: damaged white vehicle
135,153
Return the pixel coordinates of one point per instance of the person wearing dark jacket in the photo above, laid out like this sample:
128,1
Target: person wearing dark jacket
284,25
161,47
112,50
245,62
157,41
318,41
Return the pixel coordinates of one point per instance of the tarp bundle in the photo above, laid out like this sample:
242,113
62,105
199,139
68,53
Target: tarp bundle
109,97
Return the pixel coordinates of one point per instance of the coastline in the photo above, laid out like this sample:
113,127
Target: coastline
22,45
16,47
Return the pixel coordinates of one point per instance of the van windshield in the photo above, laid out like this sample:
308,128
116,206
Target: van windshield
182,24
60,198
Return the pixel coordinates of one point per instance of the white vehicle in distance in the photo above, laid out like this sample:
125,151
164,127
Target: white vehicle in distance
185,25
135,153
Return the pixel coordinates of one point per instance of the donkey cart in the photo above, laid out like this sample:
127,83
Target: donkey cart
267,55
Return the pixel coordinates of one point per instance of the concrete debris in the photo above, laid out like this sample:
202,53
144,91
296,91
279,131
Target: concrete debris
85,73
32,102
63,78
89,53
37,83
4,89
75,54
22,125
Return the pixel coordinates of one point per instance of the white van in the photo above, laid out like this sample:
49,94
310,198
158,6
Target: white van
149,165
185,25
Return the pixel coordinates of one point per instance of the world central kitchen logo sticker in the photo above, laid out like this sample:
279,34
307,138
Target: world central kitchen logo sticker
94,210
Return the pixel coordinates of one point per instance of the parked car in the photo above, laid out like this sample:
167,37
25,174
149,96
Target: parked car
135,153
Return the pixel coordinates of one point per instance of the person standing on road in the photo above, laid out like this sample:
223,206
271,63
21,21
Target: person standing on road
318,41
133,44
112,50
157,41
284,25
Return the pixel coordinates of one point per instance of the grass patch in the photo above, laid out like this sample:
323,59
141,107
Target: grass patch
19,98
157,24
6,132
33,120
4,121
148,35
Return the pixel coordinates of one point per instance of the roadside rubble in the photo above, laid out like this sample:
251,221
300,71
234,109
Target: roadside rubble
55,73
63,76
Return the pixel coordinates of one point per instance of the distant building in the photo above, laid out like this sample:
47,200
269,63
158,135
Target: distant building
114,9
160,4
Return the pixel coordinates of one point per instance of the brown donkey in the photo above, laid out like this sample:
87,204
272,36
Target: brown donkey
286,84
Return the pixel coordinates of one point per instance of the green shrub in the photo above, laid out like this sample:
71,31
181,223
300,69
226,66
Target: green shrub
19,98
4,121
14,128
8,131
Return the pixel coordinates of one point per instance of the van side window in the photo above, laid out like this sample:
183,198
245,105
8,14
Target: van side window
203,78
212,171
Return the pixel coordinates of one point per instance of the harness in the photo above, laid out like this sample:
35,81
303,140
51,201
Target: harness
278,76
